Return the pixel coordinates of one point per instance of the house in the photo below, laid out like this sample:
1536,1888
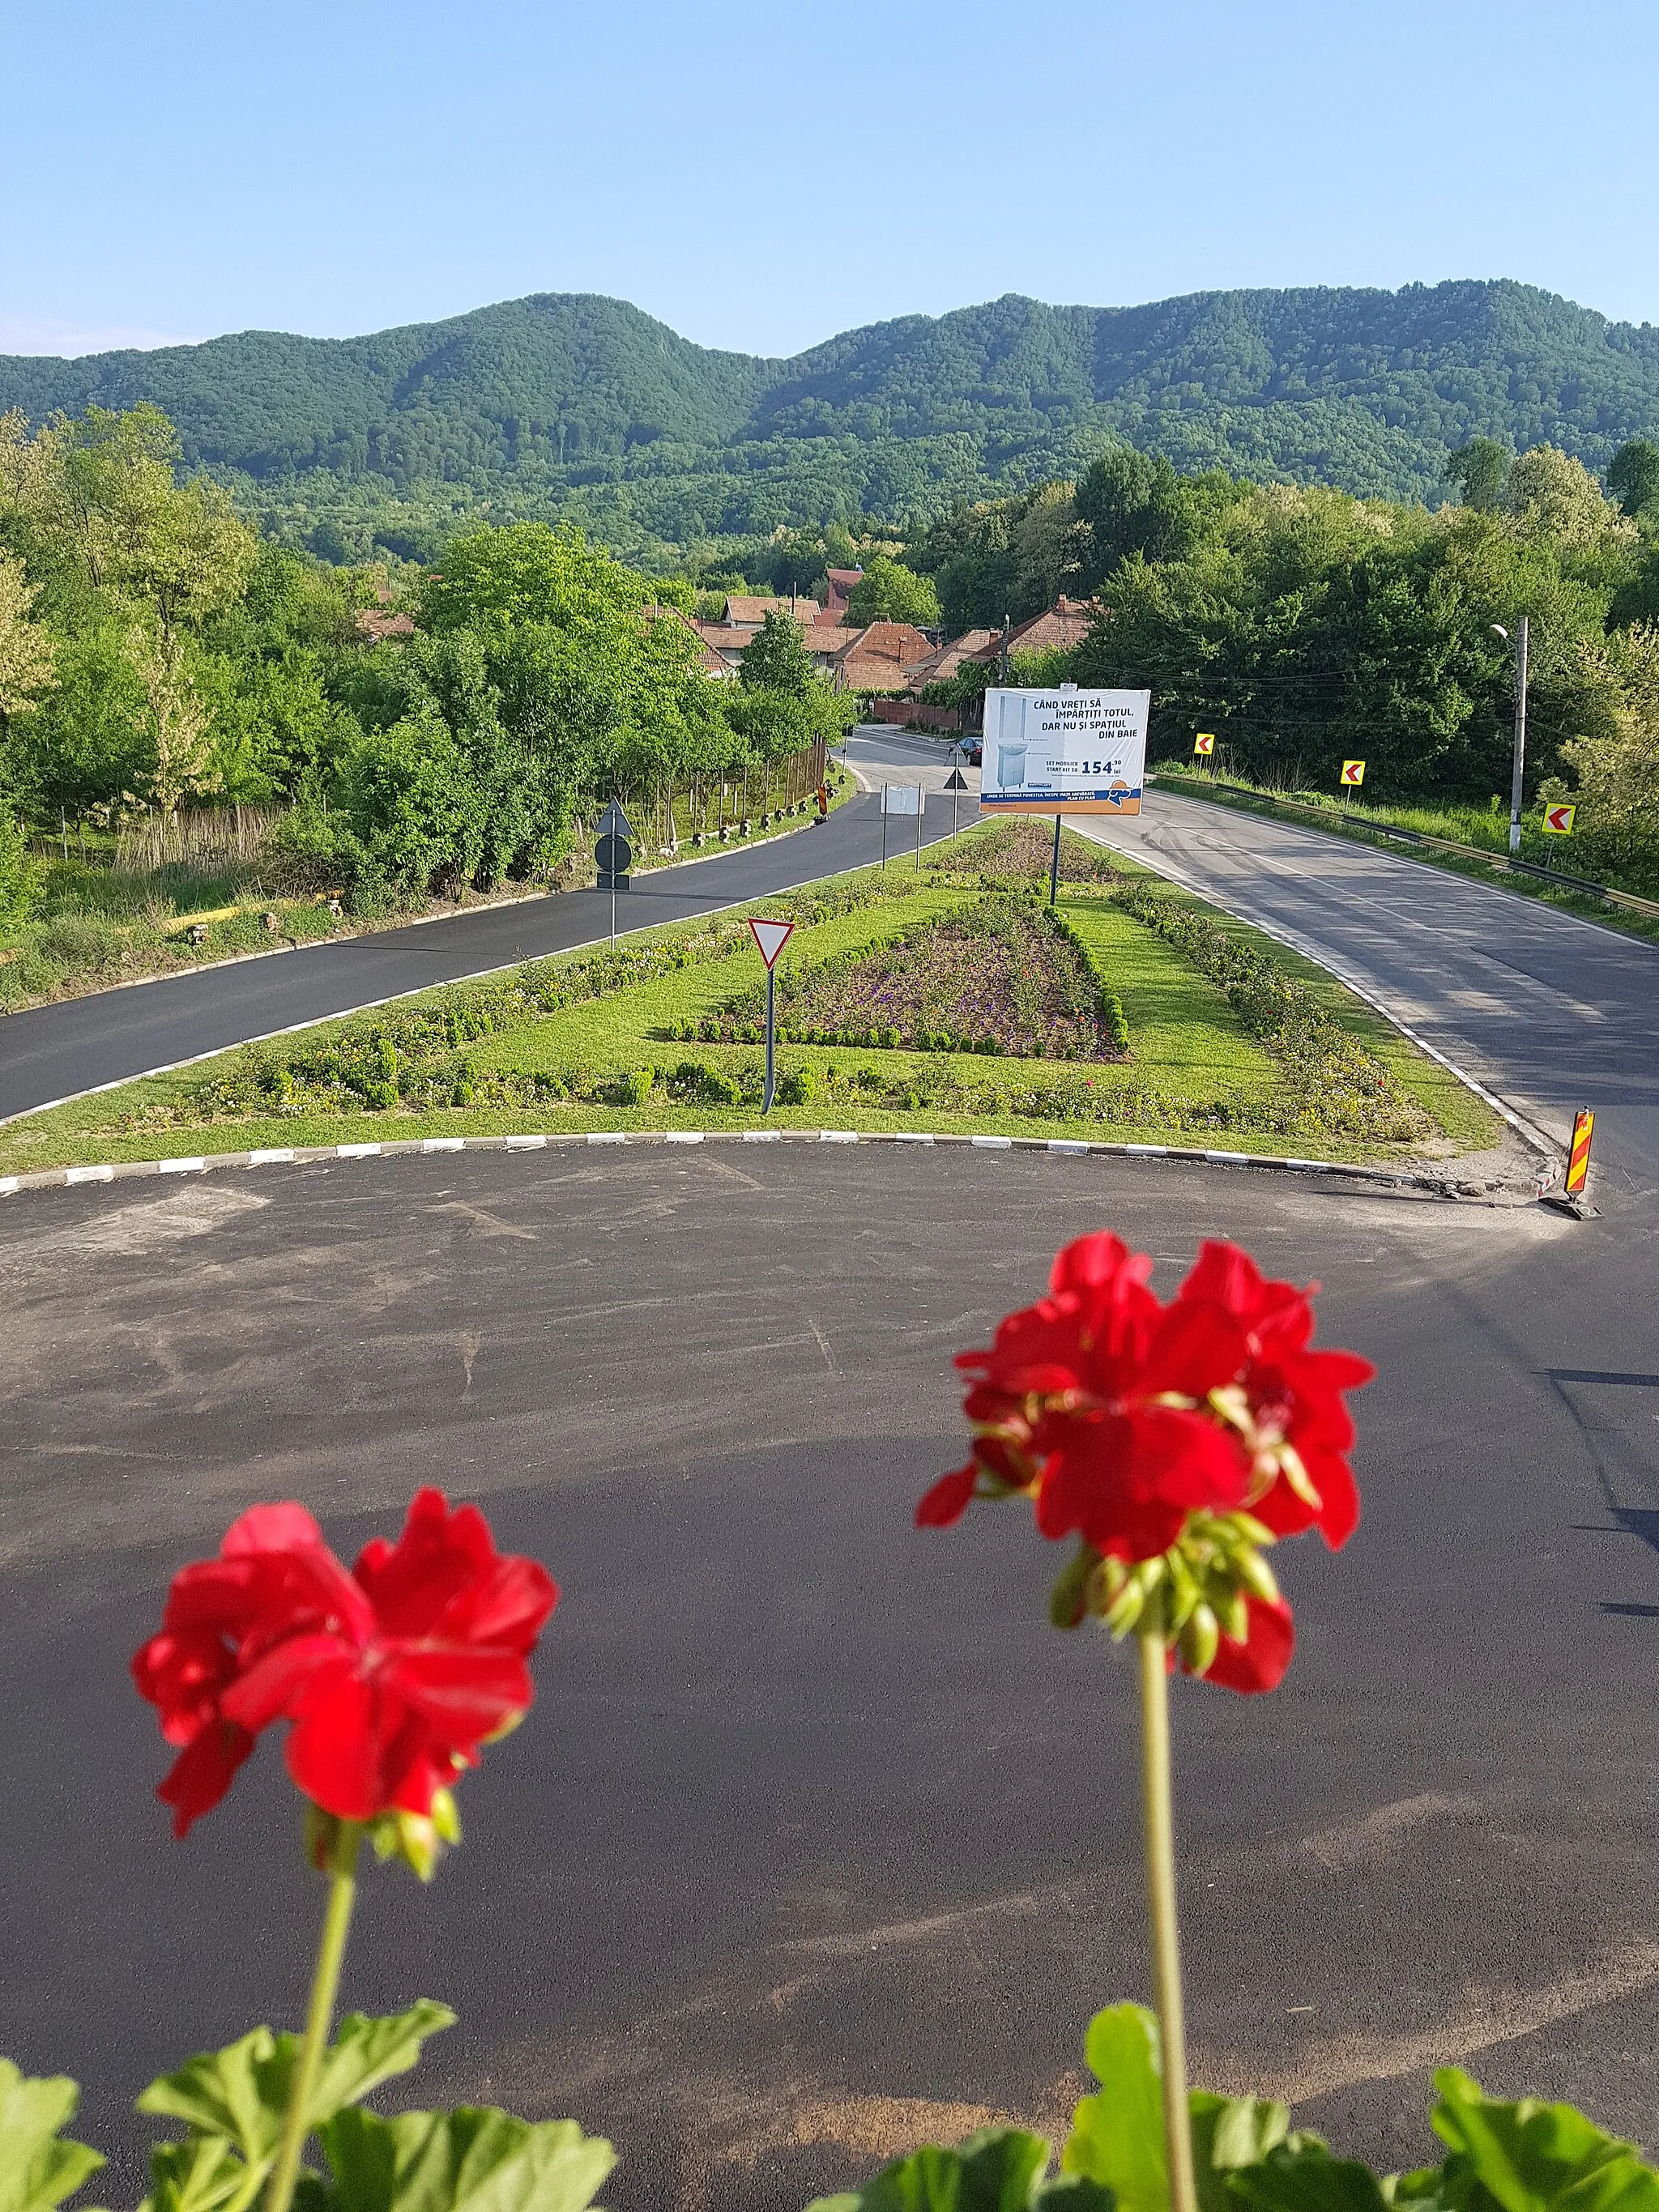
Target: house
841,582
1066,625
743,607
374,624
714,662
945,660
880,657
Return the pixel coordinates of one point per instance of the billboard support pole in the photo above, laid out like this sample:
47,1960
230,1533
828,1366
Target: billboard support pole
921,810
1054,868
884,825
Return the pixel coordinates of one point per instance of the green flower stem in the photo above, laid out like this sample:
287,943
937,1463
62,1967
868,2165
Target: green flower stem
1161,1897
342,1868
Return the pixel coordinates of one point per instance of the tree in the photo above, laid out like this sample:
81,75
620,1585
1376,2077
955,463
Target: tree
776,659
889,592
180,551
1633,475
27,659
1130,503
180,723
1552,496
1480,470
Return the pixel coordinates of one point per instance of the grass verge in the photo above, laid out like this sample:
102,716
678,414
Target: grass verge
587,1042
1436,823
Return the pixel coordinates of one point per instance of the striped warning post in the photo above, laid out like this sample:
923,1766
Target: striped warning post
1584,1129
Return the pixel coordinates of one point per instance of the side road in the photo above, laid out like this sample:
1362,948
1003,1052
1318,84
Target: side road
53,1053
1550,1012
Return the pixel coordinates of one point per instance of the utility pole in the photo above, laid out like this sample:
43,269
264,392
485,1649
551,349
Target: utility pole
1517,773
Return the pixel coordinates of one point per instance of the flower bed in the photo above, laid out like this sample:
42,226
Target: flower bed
1003,976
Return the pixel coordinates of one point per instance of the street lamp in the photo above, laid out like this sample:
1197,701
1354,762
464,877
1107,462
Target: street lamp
1517,771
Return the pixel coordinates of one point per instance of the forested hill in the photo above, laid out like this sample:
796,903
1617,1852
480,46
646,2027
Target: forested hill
573,404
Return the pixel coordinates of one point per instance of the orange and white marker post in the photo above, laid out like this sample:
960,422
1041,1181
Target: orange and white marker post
1557,820
1353,772
1584,1129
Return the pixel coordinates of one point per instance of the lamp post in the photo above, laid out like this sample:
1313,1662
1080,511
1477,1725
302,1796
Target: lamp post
1518,769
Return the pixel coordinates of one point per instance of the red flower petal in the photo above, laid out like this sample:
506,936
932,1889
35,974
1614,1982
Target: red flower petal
1259,1662
274,1685
947,1501
203,1773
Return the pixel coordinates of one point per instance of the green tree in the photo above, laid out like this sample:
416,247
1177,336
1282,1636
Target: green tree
1480,470
888,591
776,659
1633,476
26,657
1130,503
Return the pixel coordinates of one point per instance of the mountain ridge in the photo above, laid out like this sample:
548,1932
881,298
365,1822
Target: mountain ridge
577,404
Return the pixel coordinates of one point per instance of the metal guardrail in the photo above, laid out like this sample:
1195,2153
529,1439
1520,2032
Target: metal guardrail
1502,863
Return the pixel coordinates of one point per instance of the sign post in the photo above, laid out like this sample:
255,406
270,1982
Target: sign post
956,781
1063,752
613,853
901,798
771,937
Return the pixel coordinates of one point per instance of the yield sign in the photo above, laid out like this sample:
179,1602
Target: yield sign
955,781
613,822
771,937
1557,820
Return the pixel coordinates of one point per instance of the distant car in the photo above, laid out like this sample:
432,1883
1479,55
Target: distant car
973,750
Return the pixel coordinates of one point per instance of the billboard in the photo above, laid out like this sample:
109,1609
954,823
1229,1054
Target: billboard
1064,751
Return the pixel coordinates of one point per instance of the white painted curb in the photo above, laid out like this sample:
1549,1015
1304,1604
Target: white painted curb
1439,1185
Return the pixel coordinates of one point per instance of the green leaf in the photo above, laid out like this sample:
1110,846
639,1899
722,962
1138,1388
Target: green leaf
223,2093
241,2093
1528,2154
201,2174
996,2170
38,2168
1117,2138
473,2160
1302,2176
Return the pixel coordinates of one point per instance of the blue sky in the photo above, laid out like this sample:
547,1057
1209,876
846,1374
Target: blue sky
763,177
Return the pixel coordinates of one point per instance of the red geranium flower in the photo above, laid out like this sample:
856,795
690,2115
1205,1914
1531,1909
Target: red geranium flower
1259,1662
394,1675
1289,1403
1094,1402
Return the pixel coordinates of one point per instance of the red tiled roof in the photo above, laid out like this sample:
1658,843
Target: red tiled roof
945,659
374,625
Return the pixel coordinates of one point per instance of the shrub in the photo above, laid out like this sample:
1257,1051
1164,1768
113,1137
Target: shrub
78,940
634,1088
797,1087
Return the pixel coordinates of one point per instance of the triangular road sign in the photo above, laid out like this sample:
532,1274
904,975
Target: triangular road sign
955,781
613,822
771,937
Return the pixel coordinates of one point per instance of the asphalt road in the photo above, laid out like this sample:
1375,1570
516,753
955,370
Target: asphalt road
84,1044
820,1839
1550,1011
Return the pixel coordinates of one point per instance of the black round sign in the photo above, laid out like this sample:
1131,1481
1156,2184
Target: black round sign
612,854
